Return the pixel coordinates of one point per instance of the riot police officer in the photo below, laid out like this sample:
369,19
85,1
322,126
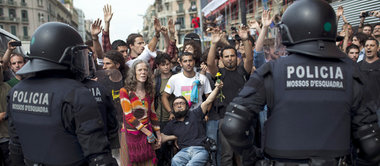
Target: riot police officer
53,118
313,97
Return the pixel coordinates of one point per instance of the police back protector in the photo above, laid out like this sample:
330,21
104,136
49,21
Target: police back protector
310,116
36,107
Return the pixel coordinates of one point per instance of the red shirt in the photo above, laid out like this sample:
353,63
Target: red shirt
195,21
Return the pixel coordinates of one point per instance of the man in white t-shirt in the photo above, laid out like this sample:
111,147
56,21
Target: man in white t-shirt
181,84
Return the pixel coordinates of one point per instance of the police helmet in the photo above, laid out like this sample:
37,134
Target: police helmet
309,27
57,46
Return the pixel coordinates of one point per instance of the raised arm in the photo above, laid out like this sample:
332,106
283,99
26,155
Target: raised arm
165,33
253,24
346,38
171,28
153,42
96,28
248,60
362,18
107,11
7,55
266,20
210,98
215,38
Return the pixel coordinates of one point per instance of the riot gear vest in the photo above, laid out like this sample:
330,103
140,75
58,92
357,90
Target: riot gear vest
311,114
36,105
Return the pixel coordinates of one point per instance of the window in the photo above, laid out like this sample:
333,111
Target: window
24,15
235,12
25,29
167,6
182,21
41,17
40,2
13,29
12,13
180,6
250,6
193,6
1,12
1,26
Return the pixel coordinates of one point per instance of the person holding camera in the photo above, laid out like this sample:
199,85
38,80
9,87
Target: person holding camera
189,129
13,61
366,28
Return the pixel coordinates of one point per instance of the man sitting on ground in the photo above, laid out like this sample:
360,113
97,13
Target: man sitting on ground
189,129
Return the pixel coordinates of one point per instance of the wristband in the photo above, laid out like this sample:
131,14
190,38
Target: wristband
151,138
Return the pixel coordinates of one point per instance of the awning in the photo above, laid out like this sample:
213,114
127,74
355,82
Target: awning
221,7
212,6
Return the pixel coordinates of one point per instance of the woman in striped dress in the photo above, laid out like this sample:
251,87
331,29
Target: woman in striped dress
140,132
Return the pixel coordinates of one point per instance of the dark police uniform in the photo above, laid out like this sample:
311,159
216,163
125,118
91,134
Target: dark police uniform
107,109
310,105
55,115
313,96
53,118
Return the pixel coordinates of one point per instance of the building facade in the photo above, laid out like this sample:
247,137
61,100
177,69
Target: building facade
23,17
181,11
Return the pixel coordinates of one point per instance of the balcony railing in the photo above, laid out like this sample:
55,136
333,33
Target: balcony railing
9,19
24,19
26,37
12,3
23,4
180,12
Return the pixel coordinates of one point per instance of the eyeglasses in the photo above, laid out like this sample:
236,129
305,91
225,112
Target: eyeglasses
179,103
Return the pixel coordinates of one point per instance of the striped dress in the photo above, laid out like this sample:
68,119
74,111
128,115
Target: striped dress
138,113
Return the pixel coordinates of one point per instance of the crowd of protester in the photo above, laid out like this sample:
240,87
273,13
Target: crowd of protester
150,88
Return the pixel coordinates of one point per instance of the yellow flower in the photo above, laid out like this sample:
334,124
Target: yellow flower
218,74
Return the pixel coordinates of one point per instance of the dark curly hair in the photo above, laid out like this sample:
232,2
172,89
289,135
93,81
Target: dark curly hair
117,57
131,81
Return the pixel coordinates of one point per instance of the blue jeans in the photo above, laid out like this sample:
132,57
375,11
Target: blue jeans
197,31
191,156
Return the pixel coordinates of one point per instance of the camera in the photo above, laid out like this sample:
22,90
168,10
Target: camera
233,29
15,43
366,14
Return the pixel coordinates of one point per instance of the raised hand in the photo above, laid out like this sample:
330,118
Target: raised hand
216,35
243,32
107,10
253,24
339,11
376,14
164,31
96,28
171,26
266,20
10,47
157,25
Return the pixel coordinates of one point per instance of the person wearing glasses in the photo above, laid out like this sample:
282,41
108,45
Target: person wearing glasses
189,129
